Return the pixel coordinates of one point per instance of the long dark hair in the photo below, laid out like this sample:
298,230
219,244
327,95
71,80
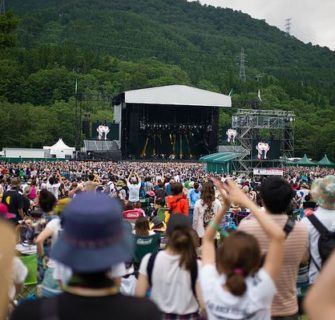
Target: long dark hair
208,194
239,256
182,242
142,227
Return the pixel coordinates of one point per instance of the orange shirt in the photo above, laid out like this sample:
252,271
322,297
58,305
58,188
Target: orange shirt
178,204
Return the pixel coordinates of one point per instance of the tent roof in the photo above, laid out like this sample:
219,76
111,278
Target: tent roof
59,145
210,156
179,95
326,162
220,157
304,161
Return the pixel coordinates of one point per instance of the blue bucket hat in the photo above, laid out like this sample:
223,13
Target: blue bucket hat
93,238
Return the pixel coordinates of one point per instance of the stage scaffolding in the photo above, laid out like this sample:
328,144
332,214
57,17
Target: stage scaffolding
250,122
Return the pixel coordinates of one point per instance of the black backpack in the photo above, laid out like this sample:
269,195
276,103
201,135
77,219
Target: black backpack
194,271
326,243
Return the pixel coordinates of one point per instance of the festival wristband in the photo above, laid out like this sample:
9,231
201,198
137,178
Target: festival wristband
214,225
224,233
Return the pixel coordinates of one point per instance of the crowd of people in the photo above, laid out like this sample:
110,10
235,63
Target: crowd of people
149,240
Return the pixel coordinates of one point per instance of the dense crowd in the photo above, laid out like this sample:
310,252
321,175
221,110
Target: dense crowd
148,240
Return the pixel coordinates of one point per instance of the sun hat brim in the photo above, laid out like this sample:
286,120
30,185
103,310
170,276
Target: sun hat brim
319,195
87,260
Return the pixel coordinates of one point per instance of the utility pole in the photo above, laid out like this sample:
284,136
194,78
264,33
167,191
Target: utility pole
242,75
288,26
2,7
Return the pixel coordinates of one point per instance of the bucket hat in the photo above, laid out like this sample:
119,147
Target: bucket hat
323,192
93,238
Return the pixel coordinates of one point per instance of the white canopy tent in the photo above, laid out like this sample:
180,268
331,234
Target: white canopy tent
60,150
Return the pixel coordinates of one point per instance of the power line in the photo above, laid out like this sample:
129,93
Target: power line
2,7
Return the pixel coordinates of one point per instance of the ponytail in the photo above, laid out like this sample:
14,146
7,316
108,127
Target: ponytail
239,256
236,283
181,241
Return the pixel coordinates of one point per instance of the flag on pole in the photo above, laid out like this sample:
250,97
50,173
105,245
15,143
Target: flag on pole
259,95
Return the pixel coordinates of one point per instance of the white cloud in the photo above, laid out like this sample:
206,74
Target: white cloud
312,21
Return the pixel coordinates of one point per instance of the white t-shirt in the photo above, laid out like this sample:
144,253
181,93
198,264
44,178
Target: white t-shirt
171,285
327,218
134,192
128,285
255,304
64,273
18,274
53,188
56,228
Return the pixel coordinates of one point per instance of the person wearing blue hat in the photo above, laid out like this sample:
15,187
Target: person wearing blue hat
93,240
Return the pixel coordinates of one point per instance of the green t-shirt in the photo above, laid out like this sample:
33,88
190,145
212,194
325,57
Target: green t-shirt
145,245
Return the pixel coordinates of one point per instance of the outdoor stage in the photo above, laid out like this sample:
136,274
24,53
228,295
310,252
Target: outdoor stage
170,122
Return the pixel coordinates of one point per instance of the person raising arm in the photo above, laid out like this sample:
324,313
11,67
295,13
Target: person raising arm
235,285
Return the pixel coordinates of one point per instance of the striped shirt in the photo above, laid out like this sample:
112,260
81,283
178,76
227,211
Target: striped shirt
285,301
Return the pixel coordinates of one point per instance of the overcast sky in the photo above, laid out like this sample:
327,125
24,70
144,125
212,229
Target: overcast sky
312,20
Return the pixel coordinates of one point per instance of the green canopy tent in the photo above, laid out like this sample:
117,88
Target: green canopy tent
325,162
287,162
220,162
305,162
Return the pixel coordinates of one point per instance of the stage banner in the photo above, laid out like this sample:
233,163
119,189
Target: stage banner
268,172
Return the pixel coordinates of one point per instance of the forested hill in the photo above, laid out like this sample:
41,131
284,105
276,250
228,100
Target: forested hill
115,45
203,40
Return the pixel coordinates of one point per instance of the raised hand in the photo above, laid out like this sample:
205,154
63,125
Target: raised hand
220,187
235,194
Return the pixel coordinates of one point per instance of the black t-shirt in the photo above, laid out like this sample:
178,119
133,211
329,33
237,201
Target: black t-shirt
26,204
74,307
14,201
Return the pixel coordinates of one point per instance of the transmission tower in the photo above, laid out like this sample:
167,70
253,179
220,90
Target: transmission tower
288,26
242,66
2,7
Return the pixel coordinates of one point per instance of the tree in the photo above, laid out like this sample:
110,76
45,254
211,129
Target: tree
8,25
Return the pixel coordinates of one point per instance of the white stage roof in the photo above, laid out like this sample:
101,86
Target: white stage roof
177,95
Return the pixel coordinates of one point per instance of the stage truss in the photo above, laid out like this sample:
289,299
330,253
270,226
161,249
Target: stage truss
249,122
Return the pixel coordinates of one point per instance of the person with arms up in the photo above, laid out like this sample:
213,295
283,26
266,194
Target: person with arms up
93,240
54,183
134,185
234,285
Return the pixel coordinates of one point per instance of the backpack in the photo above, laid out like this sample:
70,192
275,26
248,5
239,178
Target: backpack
193,273
326,243
208,216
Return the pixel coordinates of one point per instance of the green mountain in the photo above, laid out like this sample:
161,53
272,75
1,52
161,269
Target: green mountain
204,41
113,45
